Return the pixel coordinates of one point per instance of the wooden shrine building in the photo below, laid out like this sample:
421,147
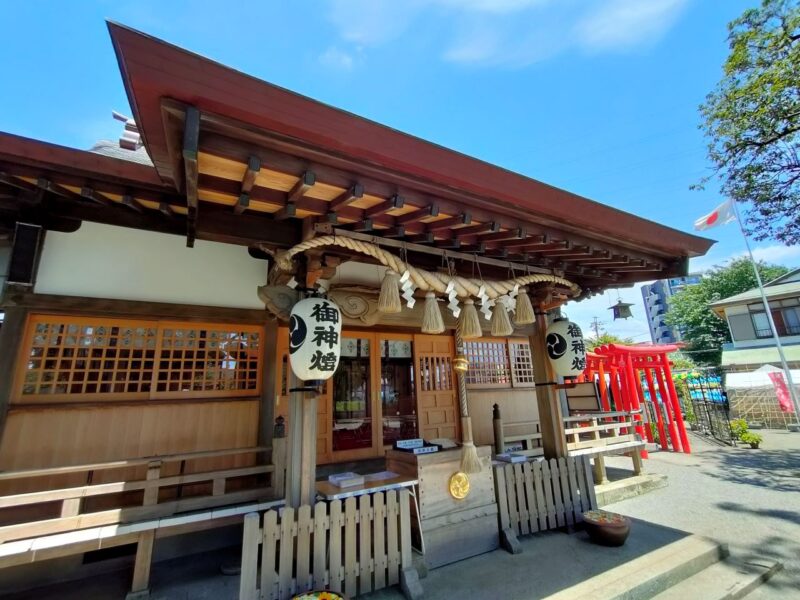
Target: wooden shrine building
146,304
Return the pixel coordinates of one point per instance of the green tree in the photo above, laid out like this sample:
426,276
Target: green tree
703,331
752,119
606,338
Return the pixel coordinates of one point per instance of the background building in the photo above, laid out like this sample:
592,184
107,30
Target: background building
656,305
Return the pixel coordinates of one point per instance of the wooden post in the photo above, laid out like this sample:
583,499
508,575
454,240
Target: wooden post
270,375
497,423
11,335
551,422
302,447
140,588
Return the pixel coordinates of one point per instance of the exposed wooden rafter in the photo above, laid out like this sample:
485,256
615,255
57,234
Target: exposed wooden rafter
242,204
392,203
129,201
250,173
432,210
307,180
481,228
94,196
462,219
350,195
287,212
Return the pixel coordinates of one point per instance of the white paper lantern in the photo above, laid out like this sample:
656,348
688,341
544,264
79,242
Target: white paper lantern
315,336
566,348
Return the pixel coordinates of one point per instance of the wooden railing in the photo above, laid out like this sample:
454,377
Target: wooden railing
541,495
353,546
267,481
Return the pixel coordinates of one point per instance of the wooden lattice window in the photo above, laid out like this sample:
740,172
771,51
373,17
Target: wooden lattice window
499,363
521,363
76,359
435,373
488,363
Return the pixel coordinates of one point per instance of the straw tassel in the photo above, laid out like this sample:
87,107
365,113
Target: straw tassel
470,461
524,313
389,300
469,324
501,324
432,321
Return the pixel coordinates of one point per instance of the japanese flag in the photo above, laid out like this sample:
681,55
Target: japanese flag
722,215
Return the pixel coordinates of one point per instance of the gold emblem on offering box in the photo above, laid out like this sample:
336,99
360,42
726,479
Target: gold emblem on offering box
459,485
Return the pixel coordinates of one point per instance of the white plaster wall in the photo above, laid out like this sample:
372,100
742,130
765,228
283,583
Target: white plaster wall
103,261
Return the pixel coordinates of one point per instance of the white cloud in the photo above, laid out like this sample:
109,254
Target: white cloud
623,23
511,33
335,58
788,256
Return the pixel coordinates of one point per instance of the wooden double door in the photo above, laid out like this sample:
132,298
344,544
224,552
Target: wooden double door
388,386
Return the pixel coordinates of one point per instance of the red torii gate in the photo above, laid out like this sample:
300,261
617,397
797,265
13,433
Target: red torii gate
619,369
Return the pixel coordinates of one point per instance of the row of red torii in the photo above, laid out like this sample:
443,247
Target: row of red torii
621,372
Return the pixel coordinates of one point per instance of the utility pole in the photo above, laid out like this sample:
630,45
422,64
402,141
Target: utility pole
597,326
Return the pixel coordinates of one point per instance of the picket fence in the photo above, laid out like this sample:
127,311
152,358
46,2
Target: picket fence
353,547
541,495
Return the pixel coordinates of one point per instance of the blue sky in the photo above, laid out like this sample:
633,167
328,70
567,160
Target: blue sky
596,96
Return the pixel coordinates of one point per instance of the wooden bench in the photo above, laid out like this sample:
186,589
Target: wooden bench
602,434
521,437
133,510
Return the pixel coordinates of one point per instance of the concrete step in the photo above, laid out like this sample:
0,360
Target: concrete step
729,579
650,574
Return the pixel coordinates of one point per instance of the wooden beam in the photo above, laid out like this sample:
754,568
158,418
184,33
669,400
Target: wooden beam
95,197
385,206
350,195
17,183
132,203
451,244
250,173
421,238
462,219
287,212
503,236
644,267
489,227
497,252
613,259
191,142
432,210
56,189
165,209
242,204
306,182
479,248
527,242
392,232
408,245
363,225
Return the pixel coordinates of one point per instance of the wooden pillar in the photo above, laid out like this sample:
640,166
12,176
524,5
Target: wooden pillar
554,440
301,469
11,337
269,379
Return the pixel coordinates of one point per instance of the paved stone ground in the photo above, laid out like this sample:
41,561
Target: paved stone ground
749,499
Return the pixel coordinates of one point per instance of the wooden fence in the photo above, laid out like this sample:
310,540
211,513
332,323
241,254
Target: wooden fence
352,547
541,495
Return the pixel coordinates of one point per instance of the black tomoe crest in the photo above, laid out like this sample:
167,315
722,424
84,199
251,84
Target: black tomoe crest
297,333
556,346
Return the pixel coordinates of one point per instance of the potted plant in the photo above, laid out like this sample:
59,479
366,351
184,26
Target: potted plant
738,429
748,437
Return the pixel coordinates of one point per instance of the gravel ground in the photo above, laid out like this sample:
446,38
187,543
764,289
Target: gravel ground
749,499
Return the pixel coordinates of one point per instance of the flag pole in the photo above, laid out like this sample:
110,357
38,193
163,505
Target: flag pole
773,329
